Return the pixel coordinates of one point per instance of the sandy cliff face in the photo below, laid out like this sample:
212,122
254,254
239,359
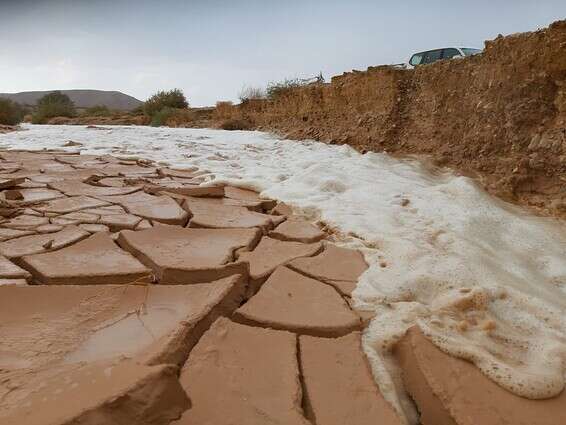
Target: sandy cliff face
7,128
500,116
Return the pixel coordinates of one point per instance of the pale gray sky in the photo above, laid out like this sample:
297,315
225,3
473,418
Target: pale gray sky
210,49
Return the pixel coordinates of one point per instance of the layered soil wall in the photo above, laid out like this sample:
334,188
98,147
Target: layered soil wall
7,128
499,116
191,117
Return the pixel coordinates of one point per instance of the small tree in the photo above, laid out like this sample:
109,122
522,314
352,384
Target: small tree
54,104
165,99
11,113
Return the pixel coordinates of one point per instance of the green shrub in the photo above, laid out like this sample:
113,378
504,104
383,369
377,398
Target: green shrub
165,99
160,118
11,113
138,110
97,111
54,104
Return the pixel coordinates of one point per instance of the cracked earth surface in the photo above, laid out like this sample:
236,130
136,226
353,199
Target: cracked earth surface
132,294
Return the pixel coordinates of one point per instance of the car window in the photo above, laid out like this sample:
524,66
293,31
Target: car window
416,59
432,56
450,53
470,52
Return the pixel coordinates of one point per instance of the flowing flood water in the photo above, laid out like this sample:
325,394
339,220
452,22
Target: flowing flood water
484,280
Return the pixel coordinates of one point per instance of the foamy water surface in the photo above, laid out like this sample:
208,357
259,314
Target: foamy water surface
484,280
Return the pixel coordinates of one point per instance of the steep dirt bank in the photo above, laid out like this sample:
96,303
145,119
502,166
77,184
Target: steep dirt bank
500,116
7,128
124,119
192,117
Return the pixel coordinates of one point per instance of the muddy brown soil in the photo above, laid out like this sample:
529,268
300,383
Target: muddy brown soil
192,117
130,294
499,117
7,128
118,278
125,119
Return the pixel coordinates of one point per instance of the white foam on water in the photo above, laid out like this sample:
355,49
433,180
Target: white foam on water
484,280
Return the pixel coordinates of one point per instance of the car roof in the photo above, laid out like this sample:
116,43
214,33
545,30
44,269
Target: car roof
442,48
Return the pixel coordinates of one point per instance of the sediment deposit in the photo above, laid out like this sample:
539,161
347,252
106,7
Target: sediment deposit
113,273
154,319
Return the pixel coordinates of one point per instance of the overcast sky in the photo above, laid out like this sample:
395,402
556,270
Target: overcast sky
210,49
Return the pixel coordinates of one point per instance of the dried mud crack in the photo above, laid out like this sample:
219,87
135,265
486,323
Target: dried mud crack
130,294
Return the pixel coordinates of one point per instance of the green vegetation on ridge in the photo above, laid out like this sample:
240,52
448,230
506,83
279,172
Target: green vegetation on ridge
55,104
11,113
165,105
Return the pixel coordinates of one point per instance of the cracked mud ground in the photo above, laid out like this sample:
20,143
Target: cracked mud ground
130,294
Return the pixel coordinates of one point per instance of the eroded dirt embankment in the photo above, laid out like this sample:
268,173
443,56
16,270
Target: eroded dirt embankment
499,116
7,128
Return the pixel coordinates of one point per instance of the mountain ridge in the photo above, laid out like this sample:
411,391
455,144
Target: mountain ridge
82,98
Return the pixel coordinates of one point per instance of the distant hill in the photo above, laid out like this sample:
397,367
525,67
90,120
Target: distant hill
81,98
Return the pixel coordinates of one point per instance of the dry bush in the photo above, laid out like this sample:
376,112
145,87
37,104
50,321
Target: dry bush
180,117
250,93
138,120
58,121
279,88
276,89
236,124
224,110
